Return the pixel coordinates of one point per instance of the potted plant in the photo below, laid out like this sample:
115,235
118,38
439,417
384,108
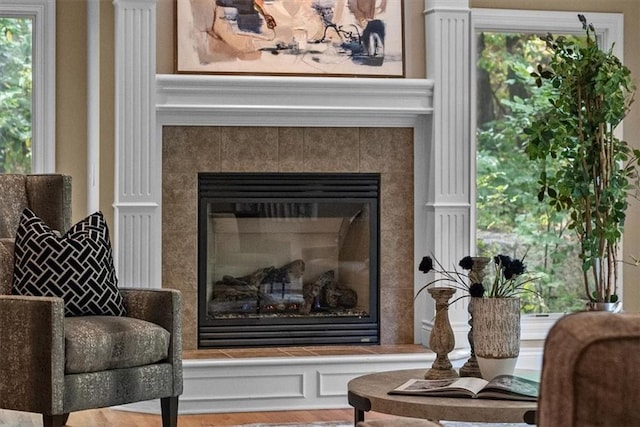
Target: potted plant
586,170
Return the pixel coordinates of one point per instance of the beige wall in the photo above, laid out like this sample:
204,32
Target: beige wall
71,92
71,101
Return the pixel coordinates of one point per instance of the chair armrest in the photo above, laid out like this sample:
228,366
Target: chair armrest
32,349
162,307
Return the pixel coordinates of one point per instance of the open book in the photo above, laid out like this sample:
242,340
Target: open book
501,387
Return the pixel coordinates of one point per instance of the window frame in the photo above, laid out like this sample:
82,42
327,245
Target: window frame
609,31
43,126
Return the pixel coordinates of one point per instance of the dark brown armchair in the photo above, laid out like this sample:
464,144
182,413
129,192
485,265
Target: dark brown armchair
55,365
590,372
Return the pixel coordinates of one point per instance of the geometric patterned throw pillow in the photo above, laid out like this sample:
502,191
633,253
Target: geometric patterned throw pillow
77,267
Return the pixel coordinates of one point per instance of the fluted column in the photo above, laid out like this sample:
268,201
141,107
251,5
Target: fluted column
137,180
448,208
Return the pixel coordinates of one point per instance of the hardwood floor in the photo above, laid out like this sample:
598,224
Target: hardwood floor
116,418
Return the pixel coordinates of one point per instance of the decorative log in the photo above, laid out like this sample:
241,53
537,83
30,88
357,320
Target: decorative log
311,291
286,274
237,288
339,295
248,287
261,289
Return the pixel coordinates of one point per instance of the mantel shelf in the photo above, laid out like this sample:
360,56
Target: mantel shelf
291,101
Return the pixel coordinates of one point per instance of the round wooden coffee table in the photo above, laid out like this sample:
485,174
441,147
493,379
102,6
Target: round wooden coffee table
370,393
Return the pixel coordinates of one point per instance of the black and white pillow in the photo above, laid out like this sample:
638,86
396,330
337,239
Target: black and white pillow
77,267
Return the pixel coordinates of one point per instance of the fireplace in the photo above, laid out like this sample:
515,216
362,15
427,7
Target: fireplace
288,259
191,150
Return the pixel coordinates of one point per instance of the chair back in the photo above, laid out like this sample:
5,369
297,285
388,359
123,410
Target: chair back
48,195
590,371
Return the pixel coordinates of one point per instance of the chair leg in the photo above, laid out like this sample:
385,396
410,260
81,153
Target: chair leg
169,406
55,420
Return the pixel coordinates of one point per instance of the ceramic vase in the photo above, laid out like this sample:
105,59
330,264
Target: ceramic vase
612,307
496,335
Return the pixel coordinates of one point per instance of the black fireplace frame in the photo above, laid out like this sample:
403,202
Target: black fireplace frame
299,331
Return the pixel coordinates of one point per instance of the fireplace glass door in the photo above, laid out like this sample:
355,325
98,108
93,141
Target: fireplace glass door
288,259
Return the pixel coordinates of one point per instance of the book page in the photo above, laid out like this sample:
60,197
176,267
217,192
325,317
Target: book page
511,385
468,386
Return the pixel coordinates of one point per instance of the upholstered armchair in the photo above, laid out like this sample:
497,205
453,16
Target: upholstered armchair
590,372
55,364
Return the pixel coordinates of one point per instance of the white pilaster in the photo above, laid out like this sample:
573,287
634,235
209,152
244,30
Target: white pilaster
137,186
448,208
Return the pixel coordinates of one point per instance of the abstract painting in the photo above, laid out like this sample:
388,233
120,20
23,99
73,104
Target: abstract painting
290,37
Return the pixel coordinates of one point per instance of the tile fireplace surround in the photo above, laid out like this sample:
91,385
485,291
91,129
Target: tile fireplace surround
187,150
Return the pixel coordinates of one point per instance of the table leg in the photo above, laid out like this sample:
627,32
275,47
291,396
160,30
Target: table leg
360,406
358,415
529,417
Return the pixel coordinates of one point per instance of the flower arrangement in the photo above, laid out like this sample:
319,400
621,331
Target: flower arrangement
510,277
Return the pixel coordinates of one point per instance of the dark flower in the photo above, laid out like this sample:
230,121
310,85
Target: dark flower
466,263
510,267
476,290
426,265
516,267
509,279
502,260
455,279
583,21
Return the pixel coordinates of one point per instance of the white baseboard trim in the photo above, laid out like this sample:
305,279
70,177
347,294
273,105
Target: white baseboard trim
296,383
281,383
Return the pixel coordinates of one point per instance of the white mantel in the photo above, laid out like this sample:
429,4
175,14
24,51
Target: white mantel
321,102
291,101
305,101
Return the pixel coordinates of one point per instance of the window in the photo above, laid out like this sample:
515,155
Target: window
507,216
27,86
15,94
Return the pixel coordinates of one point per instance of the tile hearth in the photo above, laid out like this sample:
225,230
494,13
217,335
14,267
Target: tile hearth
310,351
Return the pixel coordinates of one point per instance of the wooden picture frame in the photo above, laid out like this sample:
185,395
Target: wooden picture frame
290,37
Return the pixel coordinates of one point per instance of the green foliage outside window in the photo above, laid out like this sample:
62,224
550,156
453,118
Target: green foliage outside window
509,218
15,95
